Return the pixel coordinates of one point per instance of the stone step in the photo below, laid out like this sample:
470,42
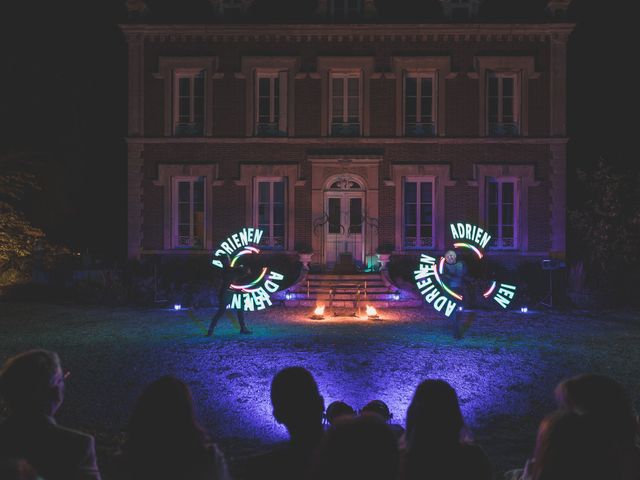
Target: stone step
410,303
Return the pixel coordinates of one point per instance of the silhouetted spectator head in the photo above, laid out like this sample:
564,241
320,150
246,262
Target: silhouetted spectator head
296,401
377,407
358,448
338,409
603,398
16,469
33,383
570,446
163,422
434,417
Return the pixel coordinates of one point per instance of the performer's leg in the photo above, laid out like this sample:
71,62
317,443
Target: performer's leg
222,307
457,328
243,325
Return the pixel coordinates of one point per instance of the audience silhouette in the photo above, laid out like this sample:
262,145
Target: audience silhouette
357,448
434,444
298,405
32,385
592,436
164,440
338,409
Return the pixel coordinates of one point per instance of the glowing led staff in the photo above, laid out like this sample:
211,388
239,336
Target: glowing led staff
442,284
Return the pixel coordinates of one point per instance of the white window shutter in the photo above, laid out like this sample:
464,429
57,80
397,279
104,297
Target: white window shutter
282,123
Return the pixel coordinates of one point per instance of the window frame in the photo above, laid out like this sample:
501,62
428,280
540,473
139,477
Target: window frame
286,68
345,76
281,122
498,239
440,68
517,101
346,15
175,204
524,66
256,211
191,74
419,75
167,67
419,180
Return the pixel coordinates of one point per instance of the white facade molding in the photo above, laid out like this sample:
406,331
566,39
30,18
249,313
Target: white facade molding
440,175
167,66
440,68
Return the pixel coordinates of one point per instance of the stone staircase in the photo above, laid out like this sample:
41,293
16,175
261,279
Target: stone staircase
344,290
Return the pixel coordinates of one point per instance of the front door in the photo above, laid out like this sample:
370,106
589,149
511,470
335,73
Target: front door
344,234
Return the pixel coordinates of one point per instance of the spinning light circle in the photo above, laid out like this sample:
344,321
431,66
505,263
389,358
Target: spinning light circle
256,294
433,288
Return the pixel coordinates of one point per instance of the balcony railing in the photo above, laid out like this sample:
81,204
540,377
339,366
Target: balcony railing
188,241
346,129
192,129
269,129
503,130
420,129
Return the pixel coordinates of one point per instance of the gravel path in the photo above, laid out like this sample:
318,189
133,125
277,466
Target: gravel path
504,369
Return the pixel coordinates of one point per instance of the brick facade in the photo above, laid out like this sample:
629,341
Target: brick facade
464,148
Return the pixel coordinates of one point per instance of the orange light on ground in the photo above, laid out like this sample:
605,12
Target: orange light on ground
372,313
318,313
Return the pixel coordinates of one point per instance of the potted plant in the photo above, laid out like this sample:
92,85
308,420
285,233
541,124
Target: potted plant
305,252
383,252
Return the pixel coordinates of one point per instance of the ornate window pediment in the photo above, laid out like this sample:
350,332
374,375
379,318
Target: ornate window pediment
345,183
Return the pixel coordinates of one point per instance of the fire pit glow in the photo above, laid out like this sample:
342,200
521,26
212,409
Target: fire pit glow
372,313
318,313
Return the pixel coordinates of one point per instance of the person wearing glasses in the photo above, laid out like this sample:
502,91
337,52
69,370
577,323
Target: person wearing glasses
32,385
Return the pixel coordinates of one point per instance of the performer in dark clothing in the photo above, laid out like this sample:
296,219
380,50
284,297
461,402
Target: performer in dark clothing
454,273
225,293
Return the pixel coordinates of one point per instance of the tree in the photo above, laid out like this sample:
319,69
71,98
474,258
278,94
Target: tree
19,239
607,226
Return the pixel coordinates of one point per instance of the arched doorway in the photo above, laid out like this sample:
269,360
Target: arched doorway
344,205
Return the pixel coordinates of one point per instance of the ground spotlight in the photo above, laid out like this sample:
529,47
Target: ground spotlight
524,309
396,296
372,313
288,296
177,307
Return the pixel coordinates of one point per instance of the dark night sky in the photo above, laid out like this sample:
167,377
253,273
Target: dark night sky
65,96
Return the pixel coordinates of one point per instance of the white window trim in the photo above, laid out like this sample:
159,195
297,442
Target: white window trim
332,12
441,177
329,65
418,180
168,67
290,172
256,201
189,73
440,69
524,66
516,209
281,75
345,75
525,174
166,173
286,68
517,98
174,209
434,98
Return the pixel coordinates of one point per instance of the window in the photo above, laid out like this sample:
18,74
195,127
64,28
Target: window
188,212
346,9
189,103
271,100
501,212
419,105
270,211
418,213
503,104
345,104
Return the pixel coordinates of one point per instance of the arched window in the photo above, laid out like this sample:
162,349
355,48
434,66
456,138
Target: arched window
345,183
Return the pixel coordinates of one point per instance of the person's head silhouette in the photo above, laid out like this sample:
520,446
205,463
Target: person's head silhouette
297,403
33,383
434,417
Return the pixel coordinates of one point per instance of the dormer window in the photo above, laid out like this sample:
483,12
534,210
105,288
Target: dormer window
345,9
460,10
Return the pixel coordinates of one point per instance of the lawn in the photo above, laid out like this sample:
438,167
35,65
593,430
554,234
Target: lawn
504,369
